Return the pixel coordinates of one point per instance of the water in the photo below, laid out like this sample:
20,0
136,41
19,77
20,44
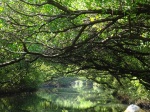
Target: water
63,99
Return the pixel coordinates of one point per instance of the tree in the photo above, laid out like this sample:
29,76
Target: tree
103,35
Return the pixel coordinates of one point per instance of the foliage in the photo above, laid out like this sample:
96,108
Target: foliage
106,35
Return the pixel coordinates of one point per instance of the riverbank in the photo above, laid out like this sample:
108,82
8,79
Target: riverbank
7,93
125,99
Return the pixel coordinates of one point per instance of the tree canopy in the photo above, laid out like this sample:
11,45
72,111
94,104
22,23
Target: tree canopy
112,36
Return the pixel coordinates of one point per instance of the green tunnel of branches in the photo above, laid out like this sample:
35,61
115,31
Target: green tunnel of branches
103,35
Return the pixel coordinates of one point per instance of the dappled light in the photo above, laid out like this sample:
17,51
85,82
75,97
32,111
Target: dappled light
69,99
79,55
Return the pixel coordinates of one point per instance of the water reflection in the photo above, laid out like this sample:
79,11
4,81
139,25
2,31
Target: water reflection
70,99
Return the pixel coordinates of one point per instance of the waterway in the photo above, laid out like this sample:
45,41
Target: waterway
74,98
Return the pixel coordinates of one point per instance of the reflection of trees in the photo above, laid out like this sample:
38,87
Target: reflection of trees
34,103
21,103
105,108
85,96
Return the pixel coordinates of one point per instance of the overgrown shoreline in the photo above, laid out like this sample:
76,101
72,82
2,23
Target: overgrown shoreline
125,99
16,92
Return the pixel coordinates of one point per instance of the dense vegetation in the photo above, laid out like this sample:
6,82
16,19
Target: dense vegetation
103,40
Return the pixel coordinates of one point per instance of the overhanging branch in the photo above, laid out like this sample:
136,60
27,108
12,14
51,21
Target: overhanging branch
12,61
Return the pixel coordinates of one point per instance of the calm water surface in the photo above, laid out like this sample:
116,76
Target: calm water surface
67,99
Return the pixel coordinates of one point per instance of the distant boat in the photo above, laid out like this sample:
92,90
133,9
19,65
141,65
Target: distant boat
133,108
